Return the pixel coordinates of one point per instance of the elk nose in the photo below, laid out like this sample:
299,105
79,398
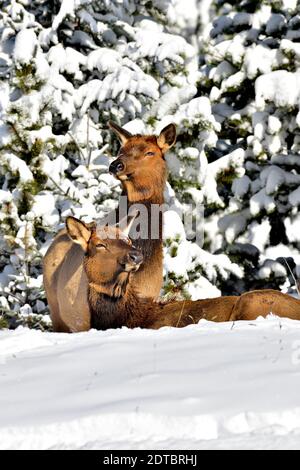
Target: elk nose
136,257
116,167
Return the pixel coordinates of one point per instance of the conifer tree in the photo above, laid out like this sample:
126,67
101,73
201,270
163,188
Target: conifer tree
67,67
250,73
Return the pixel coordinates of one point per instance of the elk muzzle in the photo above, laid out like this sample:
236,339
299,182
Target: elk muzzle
116,167
133,261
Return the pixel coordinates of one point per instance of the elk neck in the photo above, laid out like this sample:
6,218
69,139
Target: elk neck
150,189
115,312
150,239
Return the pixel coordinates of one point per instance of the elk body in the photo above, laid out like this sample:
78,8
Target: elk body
263,302
141,168
110,262
112,300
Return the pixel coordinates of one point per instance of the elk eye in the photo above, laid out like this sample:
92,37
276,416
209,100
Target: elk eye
149,154
100,245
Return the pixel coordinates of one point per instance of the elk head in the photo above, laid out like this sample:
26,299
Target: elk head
110,257
140,164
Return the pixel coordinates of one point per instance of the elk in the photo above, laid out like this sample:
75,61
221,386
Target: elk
86,261
257,303
141,168
110,260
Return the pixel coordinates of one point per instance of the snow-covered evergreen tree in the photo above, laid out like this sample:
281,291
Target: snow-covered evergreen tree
231,87
251,74
67,67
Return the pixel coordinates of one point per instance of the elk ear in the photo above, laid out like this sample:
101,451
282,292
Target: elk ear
78,232
121,133
126,223
167,138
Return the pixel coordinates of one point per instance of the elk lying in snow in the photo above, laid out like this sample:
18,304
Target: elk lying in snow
257,303
141,168
111,300
108,261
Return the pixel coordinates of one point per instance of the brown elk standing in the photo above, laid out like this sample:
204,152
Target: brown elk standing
141,168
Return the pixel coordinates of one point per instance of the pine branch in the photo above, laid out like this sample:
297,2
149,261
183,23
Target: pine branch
88,148
64,193
77,145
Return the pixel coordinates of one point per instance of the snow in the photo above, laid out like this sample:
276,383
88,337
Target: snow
259,59
200,387
172,226
294,197
280,87
232,225
293,227
223,70
202,285
261,200
55,168
24,54
275,23
19,167
290,5
66,60
288,46
5,196
184,12
172,100
242,19
274,124
233,51
233,159
274,177
195,108
259,234
115,86
151,43
104,60
241,186
271,267
67,8
233,82
44,208
5,276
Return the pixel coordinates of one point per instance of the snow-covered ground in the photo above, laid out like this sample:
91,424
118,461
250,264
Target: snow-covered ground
205,386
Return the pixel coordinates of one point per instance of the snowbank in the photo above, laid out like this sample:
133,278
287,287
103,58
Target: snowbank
205,386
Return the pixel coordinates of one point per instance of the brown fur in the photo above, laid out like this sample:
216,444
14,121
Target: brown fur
127,309
143,180
110,296
261,303
65,284
131,311
145,185
111,301
70,279
147,174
